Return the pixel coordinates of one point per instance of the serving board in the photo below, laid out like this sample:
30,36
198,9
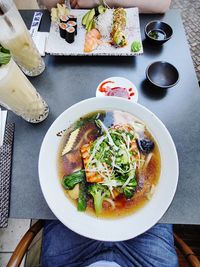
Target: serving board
55,45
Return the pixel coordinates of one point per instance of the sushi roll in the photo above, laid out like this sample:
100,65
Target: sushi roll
118,28
62,28
72,23
64,19
72,17
70,33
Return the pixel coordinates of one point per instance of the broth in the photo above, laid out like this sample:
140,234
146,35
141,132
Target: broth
157,34
147,178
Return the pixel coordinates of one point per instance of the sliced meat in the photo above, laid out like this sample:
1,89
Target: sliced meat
72,162
92,177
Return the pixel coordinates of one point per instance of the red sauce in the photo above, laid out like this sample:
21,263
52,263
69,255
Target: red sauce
102,88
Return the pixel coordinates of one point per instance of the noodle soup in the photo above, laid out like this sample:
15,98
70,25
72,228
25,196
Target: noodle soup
108,164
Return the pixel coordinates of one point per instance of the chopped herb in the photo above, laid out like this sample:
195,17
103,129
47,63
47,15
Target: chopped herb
153,35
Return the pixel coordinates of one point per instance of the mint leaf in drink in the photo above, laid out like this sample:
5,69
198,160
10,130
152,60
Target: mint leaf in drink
4,50
4,56
136,46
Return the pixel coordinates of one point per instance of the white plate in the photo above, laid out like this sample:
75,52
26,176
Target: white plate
105,229
55,45
119,82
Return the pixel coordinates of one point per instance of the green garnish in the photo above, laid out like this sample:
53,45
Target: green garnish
153,35
136,46
110,156
4,56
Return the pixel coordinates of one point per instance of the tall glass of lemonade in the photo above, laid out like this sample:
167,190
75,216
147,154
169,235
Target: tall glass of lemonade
15,37
18,94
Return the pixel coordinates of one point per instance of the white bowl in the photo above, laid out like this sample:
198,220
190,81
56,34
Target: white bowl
108,229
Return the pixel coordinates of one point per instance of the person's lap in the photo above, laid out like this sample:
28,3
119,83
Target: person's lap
62,247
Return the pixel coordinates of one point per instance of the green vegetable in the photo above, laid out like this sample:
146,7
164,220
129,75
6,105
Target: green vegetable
82,198
113,156
84,19
71,180
99,193
85,120
130,189
4,56
90,18
136,46
90,25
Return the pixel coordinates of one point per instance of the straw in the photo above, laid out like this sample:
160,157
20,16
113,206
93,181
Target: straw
7,20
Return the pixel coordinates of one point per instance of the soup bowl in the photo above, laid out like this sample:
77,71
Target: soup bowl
116,229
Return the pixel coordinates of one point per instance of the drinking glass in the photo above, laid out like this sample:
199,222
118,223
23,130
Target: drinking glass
15,37
19,95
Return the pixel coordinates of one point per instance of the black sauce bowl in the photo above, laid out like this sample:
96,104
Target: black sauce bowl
157,28
162,74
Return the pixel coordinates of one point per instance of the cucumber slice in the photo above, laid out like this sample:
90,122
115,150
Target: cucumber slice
90,26
84,19
90,17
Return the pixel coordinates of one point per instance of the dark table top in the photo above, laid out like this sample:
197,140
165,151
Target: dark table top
68,80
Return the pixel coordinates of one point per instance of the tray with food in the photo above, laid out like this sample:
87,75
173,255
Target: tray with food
101,31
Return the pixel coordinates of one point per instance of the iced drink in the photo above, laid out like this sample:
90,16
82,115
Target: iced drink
19,95
15,37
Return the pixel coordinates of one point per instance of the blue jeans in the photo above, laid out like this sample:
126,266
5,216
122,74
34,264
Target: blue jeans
64,248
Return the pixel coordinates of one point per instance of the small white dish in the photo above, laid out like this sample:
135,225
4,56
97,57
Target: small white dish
119,87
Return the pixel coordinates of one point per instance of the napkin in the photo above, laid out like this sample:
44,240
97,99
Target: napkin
5,173
39,38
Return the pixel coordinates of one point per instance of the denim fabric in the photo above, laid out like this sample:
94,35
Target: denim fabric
64,248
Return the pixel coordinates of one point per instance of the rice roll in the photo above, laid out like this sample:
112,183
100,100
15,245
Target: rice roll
70,33
71,23
62,28
64,19
72,17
